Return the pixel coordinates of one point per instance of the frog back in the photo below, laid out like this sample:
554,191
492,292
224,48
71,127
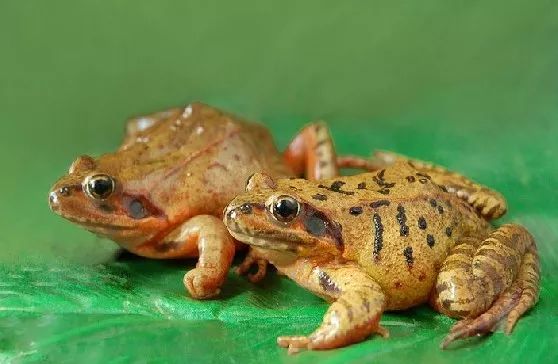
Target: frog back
196,160
399,226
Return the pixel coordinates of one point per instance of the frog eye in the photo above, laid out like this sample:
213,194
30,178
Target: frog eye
285,208
99,186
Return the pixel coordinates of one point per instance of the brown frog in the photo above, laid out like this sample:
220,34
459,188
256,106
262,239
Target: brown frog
162,193
404,235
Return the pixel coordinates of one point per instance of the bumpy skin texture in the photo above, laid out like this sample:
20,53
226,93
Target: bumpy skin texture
407,234
172,177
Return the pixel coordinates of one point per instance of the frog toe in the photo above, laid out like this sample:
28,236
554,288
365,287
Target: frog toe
201,284
293,343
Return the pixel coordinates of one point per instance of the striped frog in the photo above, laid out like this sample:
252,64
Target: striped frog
406,234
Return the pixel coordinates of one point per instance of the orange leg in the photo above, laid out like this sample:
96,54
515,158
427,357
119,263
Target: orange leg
312,154
207,236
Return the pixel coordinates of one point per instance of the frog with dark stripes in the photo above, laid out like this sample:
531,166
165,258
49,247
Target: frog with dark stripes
406,234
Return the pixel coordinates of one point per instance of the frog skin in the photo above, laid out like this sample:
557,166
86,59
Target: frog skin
404,235
162,193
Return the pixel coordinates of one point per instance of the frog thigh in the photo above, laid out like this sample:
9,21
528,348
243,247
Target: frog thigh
487,281
137,125
355,313
311,153
489,203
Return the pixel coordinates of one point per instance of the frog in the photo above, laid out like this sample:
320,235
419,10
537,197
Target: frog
161,194
405,234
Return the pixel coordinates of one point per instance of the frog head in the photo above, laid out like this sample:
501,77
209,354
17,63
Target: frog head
95,194
279,216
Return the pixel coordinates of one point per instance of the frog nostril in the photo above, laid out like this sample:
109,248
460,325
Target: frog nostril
53,199
64,191
231,214
245,208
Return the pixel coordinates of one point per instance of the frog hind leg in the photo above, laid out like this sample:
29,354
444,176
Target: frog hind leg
489,203
207,236
485,282
358,303
311,153
138,125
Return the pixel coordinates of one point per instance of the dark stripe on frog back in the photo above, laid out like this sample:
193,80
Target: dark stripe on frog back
402,219
378,236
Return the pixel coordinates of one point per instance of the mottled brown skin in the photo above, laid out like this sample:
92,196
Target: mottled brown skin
173,175
407,234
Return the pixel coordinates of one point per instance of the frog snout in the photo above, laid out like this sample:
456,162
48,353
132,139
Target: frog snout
55,196
231,212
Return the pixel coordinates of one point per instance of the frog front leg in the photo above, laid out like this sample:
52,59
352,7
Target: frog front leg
207,236
358,303
487,281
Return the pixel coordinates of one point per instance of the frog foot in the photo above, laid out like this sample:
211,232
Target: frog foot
323,338
203,282
250,260
509,305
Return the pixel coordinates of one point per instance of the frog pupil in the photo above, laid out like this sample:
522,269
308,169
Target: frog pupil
285,209
101,186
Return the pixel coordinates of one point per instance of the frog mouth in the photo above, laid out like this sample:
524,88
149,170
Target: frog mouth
267,242
91,225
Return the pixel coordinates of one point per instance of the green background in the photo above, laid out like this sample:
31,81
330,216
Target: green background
471,85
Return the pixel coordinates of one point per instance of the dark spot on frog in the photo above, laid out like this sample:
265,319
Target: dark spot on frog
106,207
319,197
166,246
397,285
136,209
355,210
424,175
440,209
366,304
411,179
236,157
430,240
336,187
433,202
378,236
361,186
449,231
245,208
379,203
384,191
327,283
422,223
408,253
402,219
421,277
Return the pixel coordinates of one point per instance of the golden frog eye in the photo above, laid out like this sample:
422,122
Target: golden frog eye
285,208
99,186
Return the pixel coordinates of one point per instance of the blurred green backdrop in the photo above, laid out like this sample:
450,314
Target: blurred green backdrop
471,85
